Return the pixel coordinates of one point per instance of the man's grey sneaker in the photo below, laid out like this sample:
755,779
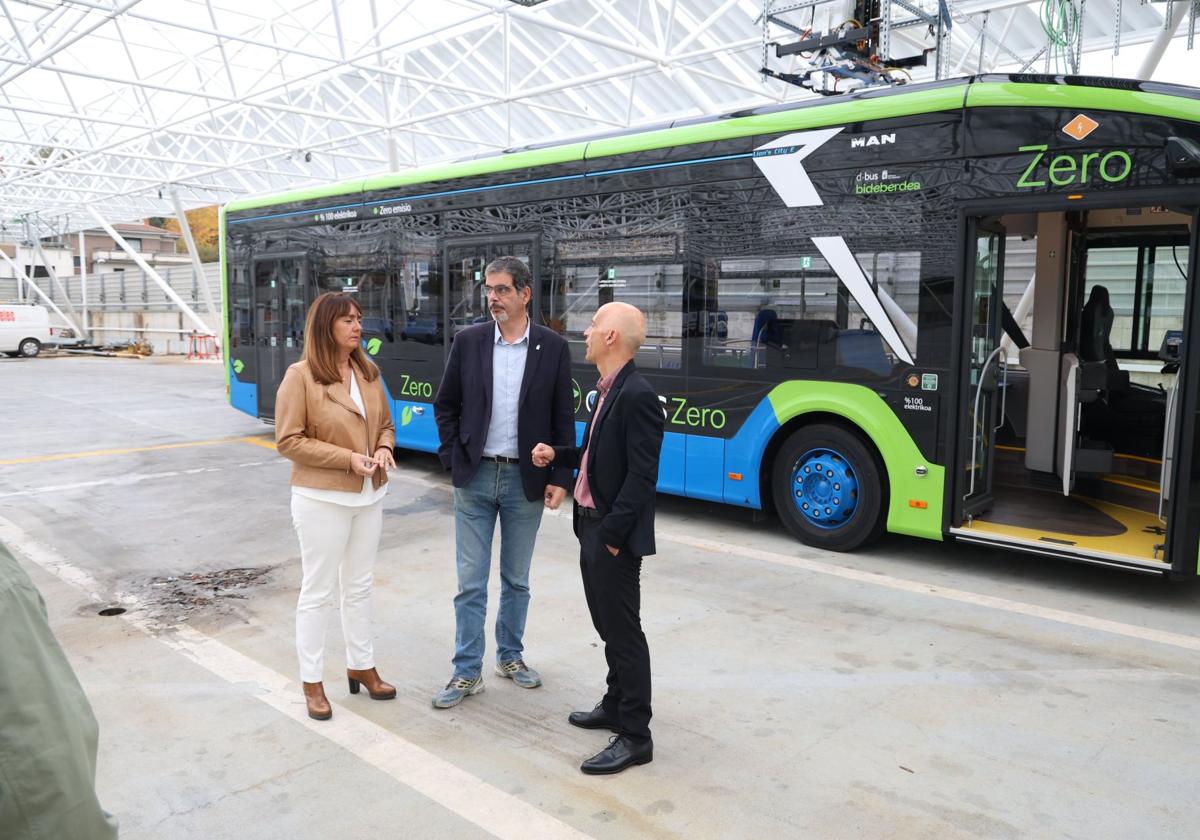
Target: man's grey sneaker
520,673
455,691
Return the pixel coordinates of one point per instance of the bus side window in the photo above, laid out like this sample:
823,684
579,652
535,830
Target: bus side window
240,321
374,295
578,290
763,312
896,278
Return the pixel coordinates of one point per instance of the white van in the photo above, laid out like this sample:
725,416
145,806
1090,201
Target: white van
24,329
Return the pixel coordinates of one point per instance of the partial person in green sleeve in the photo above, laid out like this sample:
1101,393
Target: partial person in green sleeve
47,729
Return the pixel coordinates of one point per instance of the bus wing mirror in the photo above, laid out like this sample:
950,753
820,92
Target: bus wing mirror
1183,157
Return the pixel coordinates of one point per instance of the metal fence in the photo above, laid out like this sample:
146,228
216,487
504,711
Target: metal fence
128,305
126,291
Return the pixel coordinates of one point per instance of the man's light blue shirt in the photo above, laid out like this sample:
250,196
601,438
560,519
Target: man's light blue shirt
508,369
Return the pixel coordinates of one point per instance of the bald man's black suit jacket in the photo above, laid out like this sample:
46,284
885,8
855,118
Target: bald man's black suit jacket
625,438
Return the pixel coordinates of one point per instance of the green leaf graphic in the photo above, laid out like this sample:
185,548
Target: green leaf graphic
238,365
406,416
373,346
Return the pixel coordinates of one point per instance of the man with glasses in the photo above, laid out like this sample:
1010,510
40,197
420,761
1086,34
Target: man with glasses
507,386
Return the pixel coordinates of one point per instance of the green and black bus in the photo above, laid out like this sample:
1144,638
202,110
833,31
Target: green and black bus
949,310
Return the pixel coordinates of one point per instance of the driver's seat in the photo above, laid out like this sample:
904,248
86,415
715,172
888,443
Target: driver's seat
1095,330
1130,417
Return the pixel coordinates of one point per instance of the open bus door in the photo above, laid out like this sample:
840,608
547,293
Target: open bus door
1181,449
981,387
1071,371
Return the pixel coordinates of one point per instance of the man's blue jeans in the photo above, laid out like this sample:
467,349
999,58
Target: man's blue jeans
495,489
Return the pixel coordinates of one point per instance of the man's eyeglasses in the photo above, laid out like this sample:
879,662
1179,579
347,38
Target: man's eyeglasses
499,291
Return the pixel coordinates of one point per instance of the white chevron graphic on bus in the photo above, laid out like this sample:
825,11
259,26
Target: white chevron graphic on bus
782,163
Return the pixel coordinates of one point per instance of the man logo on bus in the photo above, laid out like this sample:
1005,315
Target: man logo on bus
1080,127
238,365
872,140
577,393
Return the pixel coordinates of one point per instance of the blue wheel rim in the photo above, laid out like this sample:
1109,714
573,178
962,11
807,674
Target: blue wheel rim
825,488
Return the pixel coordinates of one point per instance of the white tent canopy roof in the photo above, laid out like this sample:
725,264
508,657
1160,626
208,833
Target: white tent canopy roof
115,104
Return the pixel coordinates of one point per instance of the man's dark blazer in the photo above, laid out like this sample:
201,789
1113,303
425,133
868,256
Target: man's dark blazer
625,437
545,408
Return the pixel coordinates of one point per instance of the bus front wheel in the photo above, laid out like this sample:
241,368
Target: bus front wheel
828,489
30,347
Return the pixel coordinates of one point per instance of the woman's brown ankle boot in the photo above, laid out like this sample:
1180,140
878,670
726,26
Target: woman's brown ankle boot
376,687
318,705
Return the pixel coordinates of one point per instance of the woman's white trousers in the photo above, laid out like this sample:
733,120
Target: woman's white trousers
337,546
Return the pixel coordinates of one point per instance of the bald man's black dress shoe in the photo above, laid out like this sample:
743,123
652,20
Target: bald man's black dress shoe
597,718
621,752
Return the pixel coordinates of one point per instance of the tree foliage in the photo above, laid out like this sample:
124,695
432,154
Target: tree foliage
203,222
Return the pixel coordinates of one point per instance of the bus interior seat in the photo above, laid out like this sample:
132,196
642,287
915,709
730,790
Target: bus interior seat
862,349
793,342
718,325
768,331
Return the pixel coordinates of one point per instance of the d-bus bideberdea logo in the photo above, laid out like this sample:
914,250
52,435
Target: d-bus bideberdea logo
1080,127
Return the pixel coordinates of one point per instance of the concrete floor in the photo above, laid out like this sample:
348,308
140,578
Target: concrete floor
911,690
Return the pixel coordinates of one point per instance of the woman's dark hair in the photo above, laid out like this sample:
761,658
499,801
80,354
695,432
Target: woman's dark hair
319,349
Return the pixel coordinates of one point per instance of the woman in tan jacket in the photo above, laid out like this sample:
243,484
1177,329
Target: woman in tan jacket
333,422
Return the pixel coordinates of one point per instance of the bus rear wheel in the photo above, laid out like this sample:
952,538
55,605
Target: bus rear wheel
828,489
30,347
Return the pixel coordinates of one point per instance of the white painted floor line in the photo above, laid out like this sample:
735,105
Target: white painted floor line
1132,631
123,480
469,797
1119,628
135,478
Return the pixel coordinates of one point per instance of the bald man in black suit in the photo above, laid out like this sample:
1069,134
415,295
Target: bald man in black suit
614,521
